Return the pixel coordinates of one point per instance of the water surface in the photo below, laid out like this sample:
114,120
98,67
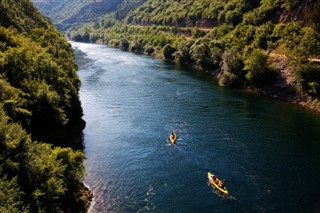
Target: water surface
267,151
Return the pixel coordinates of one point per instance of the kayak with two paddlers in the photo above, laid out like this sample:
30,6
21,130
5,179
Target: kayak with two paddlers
173,137
219,184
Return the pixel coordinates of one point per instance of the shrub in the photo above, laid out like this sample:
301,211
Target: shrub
182,56
168,51
309,44
137,46
200,52
10,196
114,43
149,50
232,66
258,70
124,44
216,52
232,61
229,80
308,74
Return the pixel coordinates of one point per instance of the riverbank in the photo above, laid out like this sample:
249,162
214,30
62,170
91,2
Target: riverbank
86,198
284,87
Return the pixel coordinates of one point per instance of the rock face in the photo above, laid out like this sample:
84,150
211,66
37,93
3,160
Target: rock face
303,13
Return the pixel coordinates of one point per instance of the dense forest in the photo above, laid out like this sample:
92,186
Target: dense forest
41,162
247,44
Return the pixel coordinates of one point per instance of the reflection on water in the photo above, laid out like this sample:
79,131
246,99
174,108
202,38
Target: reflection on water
267,151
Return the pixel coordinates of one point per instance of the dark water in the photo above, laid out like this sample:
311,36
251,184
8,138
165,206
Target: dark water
267,151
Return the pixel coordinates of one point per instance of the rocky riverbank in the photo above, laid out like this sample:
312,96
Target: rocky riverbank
285,87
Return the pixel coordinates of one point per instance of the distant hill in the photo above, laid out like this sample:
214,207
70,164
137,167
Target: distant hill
126,7
66,13
203,13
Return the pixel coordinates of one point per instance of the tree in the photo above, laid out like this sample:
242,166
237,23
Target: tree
232,66
200,52
310,43
258,70
124,44
308,74
137,46
11,196
168,51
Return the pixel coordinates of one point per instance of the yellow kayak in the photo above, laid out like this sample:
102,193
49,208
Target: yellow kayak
173,138
214,181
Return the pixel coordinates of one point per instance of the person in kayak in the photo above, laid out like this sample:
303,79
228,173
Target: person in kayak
173,135
221,184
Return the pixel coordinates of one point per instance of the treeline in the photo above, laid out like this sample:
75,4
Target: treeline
231,38
40,115
211,13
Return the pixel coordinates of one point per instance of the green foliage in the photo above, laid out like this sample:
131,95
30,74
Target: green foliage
168,51
45,76
66,13
44,174
187,13
262,36
137,46
304,41
13,142
309,44
52,175
183,56
44,177
39,96
11,196
124,44
264,13
232,68
309,77
21,15
114,43
289,33
125,7
200,52
258,70
14,100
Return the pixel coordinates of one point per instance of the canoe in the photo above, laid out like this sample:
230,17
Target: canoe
214,181
173,138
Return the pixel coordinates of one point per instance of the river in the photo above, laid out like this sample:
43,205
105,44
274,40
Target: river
267,151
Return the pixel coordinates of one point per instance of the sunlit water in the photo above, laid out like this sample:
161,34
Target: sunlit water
267,151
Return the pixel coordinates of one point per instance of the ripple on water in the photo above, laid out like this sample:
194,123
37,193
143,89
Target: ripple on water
263,149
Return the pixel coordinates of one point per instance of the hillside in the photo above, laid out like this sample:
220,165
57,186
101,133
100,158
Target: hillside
66,13
40,115
203,13
232,40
